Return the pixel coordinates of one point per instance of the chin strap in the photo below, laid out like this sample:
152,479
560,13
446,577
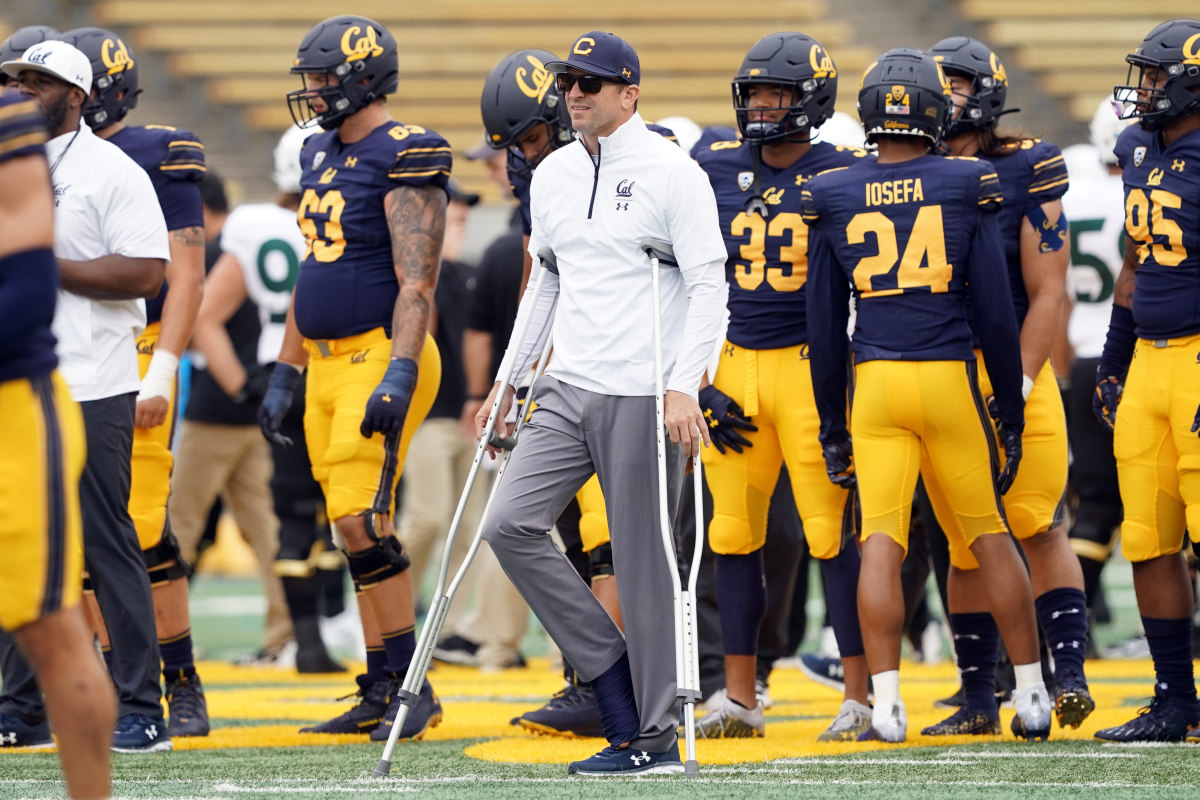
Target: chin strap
755,204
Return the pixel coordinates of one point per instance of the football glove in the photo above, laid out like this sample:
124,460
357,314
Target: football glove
1107,397
255,387
839,463
388,404
725,418
276,402
1012,459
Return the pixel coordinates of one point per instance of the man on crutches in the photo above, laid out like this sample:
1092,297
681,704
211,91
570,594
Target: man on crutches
593,202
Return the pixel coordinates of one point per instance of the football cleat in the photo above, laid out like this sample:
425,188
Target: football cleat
1032,720
622,761
16,731
1072,701
137,733
1193,735
1166,719
966,722
364,716
457,650
573,711
728,720
824,670
852,721
887,725
426,713
187,710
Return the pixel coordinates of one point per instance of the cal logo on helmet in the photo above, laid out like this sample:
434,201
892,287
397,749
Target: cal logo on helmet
363,46
1191,50
115,56
821,63
534,81
998,72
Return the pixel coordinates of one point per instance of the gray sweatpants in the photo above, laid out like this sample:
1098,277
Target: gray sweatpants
571,434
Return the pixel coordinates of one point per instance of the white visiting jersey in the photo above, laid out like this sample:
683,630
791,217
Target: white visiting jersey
267,243
1095,210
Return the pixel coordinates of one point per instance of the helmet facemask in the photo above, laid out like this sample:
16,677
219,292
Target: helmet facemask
338,103
800,117
1153,106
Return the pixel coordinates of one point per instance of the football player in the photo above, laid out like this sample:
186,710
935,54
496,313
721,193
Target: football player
784,90
917,237
372,210
1033,179
1150,351
174,160
1096,207
261,251
41,459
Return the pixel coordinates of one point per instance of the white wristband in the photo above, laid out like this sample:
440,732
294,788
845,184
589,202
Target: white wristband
1026,386
160,376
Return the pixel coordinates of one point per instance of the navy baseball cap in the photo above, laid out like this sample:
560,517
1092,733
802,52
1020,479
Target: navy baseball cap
604,54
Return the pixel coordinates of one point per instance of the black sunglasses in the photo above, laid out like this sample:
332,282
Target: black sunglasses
588,84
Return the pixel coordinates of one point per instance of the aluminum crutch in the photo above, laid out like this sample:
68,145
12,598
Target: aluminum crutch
436,617
687,668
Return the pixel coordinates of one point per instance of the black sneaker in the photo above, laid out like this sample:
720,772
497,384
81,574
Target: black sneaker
1072,700
364,716
824,670
137,733
573,711
1166,719
618,762
457,650
966,722
16,731
187,710
426,713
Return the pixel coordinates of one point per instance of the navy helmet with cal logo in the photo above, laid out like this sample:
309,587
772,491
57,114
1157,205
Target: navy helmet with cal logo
114,75
973,60
359,54
520,94
905,93
805,73
1172,49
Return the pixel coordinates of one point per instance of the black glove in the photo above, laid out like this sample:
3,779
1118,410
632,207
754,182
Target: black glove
281,388
255,387
725,418
1107,397
388,404
1012,459
839,463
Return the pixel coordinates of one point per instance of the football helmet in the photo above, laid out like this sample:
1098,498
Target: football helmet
287,159
359,57
518,95
114,75
1106,125
904,92
21,40
795,62
969,58
1172,48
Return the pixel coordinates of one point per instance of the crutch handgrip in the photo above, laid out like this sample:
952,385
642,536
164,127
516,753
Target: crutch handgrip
503,442
657,248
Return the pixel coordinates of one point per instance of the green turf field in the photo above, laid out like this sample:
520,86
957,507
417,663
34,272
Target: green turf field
255,751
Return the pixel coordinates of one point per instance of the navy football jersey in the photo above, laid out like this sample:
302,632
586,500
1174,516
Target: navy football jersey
767,258
347,283
29,352
914,240
174,160
1162,215
1031,172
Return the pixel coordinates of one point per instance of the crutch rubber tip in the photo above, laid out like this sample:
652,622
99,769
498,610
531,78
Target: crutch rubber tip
691,768
383,768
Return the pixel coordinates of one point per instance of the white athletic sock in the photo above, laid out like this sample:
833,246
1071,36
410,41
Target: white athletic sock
887,689
1029,676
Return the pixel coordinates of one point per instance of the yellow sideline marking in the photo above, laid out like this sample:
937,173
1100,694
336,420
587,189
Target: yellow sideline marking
478,706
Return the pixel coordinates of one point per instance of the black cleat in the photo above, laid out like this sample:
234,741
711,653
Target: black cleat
1166,719
187,710
1072,701
426,713
573,711
966,722
364,716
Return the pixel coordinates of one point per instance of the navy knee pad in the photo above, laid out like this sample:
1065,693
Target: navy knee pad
166,552
378,562
600,561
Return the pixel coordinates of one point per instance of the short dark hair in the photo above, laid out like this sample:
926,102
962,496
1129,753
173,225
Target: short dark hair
212,192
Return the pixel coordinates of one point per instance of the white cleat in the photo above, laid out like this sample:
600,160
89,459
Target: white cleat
887,724
1034,707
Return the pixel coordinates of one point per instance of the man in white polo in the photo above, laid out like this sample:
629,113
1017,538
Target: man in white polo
592,202
111,245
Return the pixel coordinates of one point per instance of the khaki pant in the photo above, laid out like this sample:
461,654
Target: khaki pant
233,461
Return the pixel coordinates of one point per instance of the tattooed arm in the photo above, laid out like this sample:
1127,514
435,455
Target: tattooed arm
185,289
416,220
1123,290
